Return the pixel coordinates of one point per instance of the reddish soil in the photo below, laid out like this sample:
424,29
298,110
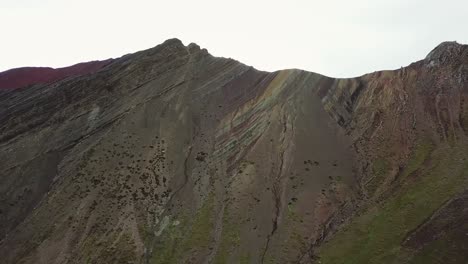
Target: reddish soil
21,77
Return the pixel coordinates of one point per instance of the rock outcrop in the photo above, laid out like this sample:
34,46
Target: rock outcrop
171,155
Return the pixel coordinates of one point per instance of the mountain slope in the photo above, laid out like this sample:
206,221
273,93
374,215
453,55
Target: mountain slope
171,155
21,77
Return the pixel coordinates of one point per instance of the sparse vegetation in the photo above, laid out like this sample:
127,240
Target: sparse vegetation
421,152
230,238
376,235
179,240
380,169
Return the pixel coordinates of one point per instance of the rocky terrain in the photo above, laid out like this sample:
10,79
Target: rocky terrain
21,77
171,155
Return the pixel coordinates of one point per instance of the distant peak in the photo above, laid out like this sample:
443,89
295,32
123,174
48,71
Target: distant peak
25,76
193,46
444,51
173,41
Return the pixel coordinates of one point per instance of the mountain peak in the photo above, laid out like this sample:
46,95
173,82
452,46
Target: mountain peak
173,41
169,155
445,51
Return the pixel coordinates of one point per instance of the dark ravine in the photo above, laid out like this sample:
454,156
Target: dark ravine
171,155
277,191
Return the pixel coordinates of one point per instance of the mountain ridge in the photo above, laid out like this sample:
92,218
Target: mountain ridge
171,155
9,78
26,76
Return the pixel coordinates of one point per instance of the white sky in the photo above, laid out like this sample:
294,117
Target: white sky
334,37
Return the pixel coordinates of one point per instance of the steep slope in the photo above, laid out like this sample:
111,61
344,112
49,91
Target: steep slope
417,168
171,155
21,77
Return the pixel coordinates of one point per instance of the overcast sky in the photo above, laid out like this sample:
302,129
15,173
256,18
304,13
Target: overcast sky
340,38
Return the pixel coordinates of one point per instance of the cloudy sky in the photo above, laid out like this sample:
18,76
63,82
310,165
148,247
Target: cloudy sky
340,38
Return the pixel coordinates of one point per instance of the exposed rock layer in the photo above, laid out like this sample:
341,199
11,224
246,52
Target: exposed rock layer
171,155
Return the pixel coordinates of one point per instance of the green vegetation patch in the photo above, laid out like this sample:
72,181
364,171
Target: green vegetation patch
375,236
380,169
421,152
245,259
169,248
179,240
202,227
230,238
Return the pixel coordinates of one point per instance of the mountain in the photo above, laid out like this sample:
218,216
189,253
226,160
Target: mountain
171,155
21,77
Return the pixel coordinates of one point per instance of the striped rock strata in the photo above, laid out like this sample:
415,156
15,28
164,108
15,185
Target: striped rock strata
171,155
